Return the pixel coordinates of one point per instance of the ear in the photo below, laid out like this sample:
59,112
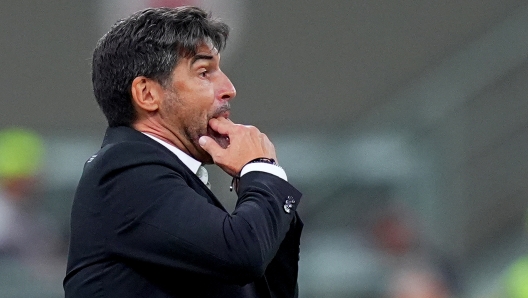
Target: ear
146,94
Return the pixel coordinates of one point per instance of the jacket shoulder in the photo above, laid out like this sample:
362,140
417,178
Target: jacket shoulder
130,153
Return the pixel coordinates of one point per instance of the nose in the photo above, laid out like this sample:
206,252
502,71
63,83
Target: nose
227,90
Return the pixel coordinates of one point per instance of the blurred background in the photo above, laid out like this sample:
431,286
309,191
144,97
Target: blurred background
404,123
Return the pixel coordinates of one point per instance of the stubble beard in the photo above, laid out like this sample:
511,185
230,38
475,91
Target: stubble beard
191,128
222,140
197,129
199,126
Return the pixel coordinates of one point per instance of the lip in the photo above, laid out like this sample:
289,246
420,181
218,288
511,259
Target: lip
224,114
223,111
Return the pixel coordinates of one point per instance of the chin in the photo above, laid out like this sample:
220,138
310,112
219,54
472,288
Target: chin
207,159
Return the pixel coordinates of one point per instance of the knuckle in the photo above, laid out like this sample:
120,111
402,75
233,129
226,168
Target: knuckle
217,156
238,127
252,128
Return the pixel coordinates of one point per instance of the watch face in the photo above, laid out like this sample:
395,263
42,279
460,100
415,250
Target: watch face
231,12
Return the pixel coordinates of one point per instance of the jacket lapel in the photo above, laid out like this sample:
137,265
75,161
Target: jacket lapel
127,134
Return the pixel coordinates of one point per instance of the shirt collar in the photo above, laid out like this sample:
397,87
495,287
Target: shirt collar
190,162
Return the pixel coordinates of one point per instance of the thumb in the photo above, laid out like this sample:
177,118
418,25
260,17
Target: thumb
209,145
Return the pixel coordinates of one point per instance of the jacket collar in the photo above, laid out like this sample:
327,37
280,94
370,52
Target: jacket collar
127,134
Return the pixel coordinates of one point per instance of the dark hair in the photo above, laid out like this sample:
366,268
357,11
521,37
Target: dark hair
148,43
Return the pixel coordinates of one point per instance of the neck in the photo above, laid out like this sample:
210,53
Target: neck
155,129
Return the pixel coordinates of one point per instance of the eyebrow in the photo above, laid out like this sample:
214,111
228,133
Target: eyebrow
200,57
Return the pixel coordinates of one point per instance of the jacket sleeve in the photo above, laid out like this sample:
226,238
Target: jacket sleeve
155,218
281,274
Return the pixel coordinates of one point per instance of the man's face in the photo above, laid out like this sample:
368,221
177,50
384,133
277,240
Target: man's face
198,91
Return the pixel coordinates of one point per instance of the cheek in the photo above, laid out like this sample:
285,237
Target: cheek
203,93
209,102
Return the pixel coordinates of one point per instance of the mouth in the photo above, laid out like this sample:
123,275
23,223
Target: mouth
224,111
222,140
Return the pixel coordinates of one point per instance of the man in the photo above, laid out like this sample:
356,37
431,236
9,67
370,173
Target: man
143,224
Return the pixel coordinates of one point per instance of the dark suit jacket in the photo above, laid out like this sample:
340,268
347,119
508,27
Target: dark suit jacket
144,225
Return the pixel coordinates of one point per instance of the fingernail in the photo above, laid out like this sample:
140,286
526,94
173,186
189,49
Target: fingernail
202,141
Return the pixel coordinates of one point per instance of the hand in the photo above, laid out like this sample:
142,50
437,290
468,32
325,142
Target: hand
245,143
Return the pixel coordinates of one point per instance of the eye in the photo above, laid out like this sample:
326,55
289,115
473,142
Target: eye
204,74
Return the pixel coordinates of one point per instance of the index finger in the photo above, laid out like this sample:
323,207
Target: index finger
221,125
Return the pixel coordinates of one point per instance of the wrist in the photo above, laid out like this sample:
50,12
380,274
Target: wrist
262,160
262,164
